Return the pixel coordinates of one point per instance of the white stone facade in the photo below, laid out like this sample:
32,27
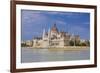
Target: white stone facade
53,38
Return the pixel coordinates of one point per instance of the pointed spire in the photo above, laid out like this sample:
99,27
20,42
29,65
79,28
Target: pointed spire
55,25
43,33
49,32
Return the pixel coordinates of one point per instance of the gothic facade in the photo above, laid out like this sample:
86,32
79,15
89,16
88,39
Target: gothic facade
54,38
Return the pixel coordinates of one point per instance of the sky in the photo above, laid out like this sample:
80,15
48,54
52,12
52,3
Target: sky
33,22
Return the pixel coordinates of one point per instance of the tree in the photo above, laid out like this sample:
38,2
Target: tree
77,43
88,43
83,44
71,43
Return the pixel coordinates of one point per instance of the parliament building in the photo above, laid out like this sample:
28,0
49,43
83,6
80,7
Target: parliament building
54,38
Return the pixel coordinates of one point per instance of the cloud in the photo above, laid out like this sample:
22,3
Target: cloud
68,14
33,17
60,13
60,22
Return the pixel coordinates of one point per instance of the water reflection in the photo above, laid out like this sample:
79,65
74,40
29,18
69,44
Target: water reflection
44,55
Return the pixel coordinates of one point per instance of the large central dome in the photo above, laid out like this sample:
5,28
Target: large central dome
54,29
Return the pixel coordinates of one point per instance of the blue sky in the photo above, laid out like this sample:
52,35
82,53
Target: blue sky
33,22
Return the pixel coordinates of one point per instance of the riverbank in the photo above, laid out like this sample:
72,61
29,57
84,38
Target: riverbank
69,48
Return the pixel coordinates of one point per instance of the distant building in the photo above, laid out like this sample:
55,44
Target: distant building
29,43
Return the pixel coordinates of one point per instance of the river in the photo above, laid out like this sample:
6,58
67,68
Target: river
47,55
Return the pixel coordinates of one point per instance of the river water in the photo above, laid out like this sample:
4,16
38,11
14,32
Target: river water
46,55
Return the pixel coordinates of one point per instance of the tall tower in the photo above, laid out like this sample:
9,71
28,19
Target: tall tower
49,33
43,35
49,36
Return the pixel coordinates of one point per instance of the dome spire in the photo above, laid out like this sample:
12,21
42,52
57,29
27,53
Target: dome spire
54,28
55,25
